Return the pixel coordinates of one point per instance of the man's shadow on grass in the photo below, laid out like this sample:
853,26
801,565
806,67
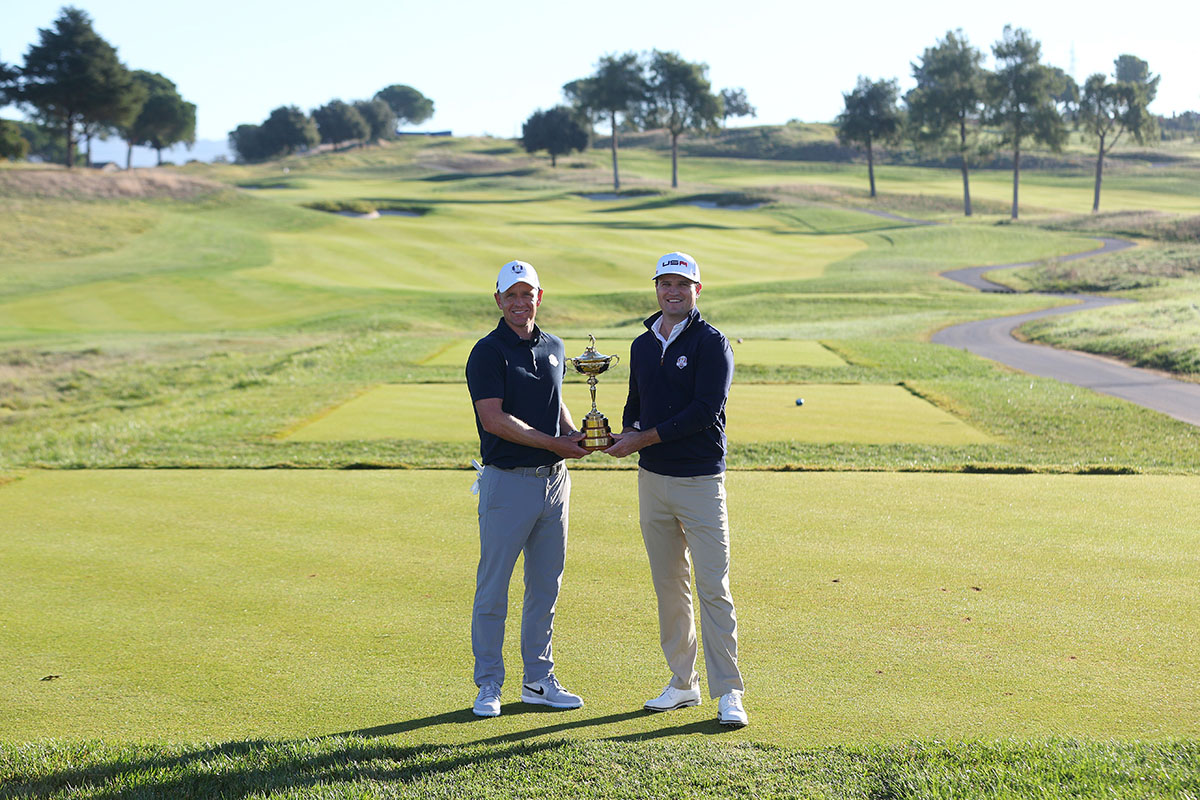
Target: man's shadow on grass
562,721
256,767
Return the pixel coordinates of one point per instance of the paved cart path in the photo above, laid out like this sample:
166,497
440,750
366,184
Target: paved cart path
993,339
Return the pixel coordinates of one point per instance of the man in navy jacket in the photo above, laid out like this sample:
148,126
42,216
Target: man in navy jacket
680,371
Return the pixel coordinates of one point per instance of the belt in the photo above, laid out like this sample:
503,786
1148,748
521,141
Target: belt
548,471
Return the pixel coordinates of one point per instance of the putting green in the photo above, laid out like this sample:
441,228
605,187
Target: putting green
857,413
195,605
767,352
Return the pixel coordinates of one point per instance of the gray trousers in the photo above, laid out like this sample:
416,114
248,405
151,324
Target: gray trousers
519,512
685,525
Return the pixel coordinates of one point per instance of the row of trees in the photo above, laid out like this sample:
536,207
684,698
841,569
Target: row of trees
73,82
639,92
1023,100
288,129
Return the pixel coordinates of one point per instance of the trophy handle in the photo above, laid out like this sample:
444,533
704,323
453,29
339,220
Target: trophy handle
614,360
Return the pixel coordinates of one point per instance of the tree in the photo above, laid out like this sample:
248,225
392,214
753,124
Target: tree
287,130
338,122
1131,69
72,77
679,98
871,116
735,104
380,118
617,87
1019,99
163,120
44,143
410,105
250,144
555,131
947,101
1113,109
1064,91
12,144
8,82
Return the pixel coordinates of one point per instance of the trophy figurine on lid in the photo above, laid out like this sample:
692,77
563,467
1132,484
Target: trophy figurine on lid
597,434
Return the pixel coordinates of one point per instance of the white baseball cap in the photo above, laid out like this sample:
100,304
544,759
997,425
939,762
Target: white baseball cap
678,264
516,272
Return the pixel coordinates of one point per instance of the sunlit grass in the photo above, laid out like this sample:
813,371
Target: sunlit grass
230,605
756,412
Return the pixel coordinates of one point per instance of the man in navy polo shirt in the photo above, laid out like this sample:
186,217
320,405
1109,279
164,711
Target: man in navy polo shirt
680,371
515,377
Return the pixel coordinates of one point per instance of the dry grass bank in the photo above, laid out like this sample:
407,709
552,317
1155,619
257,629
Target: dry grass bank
60,183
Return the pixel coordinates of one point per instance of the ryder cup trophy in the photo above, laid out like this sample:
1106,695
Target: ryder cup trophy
595,425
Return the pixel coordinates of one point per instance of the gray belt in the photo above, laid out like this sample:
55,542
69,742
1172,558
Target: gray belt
548,471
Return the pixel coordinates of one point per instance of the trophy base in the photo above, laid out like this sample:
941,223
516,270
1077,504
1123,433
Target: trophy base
597,434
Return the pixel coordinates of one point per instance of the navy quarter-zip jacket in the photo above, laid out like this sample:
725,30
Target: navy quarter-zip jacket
682,393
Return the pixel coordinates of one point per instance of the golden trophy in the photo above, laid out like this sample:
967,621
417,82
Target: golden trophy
597,434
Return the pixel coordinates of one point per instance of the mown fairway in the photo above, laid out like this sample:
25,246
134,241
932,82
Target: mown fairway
893,584
220,605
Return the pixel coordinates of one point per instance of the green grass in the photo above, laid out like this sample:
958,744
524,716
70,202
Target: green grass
222,401
873,608
757,413
368,767
315,621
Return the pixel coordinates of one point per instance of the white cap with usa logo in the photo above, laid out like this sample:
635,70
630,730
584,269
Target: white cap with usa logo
678,264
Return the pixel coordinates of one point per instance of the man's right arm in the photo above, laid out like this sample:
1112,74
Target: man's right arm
498,422
485,376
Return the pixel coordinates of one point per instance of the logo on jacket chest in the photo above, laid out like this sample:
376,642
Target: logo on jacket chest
681,362
553,360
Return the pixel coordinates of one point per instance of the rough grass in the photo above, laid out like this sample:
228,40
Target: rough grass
1159,331
1149,224
77,184
1137,268
1162,334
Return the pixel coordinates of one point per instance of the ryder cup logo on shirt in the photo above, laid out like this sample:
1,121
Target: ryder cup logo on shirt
681,362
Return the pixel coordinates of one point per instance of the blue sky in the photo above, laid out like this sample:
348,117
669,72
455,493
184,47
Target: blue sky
488,65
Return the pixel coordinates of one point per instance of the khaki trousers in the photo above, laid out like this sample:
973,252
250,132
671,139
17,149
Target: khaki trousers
684,524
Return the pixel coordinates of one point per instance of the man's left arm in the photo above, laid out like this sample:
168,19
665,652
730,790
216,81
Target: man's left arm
714,375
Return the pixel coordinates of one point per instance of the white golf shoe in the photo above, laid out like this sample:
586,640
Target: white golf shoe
487,704
549,692
672,698
730,711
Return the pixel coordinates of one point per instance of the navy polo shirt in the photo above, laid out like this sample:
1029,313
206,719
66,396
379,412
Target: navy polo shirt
526,374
